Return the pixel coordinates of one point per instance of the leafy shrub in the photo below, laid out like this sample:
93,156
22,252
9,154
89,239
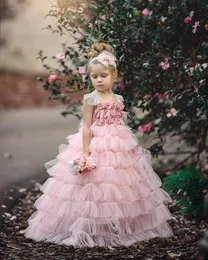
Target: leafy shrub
188,186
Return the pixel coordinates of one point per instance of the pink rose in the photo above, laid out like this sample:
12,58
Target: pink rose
145,128
113,113
60,56
52,78
188,19
59,11
81,160
164,65
119,106
160,95
146,12
90,164
173,112
82,70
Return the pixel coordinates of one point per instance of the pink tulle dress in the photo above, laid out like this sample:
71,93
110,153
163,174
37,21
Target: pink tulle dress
117,204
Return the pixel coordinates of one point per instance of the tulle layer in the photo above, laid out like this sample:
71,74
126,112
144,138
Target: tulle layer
109,151
112,138
139,172
107,175
83,239
100,232
111,143
102,192
118,209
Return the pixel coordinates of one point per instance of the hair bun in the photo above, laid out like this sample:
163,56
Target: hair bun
97,48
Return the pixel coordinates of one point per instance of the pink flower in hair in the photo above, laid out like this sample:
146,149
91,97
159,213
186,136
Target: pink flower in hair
107,58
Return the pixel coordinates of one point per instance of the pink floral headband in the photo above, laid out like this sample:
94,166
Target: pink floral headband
106,58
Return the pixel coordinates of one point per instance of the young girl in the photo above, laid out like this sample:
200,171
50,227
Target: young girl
120,202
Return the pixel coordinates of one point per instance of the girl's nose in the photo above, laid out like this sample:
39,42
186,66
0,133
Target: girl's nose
99,79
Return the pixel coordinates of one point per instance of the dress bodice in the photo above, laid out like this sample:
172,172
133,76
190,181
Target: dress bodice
106,112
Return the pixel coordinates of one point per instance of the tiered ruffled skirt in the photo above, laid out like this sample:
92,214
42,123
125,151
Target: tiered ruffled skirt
118,203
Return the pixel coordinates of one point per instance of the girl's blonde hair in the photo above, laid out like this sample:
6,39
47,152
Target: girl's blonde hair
98,48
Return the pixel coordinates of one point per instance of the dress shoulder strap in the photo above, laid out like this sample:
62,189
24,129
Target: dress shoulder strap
120,98
91,98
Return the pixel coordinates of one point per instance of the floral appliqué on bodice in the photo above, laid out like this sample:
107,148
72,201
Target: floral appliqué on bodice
106,112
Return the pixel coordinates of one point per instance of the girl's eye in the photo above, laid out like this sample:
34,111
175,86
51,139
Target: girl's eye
103,75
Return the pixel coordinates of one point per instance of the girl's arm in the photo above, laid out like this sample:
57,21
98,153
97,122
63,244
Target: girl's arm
87,121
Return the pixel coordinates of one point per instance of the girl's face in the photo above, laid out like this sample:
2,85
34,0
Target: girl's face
102,78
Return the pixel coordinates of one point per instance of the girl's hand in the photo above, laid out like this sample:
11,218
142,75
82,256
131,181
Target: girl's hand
86,154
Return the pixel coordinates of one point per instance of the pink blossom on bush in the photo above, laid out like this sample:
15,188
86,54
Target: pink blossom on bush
160,95
82,70
89,17
59,11
145,128
195,27
146,12
52,78
84,78
188,19
164,65
173,112
60,56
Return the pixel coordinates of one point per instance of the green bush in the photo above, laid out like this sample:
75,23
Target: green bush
188,186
